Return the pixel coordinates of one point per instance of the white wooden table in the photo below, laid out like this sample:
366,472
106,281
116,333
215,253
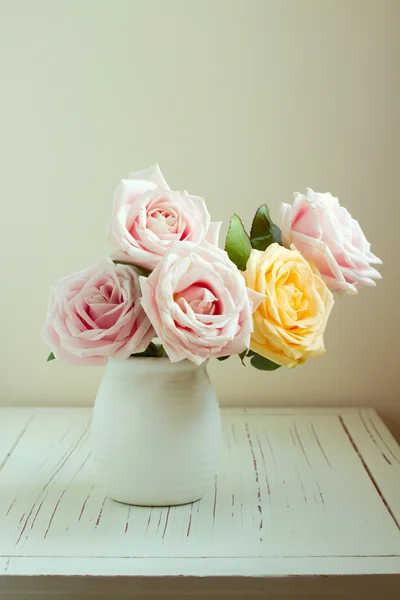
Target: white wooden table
306,505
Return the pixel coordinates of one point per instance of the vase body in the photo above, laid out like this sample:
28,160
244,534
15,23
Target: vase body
156,431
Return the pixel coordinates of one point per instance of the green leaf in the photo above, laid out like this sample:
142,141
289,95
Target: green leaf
238,245
161,351
50,357
263,230
152,351
141,271
242,356
262,363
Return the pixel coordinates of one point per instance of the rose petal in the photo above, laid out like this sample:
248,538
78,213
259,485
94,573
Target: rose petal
116,326
199,276
326,234
152,174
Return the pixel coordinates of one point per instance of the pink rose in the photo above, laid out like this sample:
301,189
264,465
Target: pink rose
198,303
148,217
325,234
96,313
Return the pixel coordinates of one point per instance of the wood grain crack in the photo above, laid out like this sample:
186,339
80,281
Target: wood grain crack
166,522
15,444
259,506
10,507
84,504
100,513
380,437
148,521
57,470
270,448
215,503
320,445
368,471
265,467
127,519
310,466
53,513
190,521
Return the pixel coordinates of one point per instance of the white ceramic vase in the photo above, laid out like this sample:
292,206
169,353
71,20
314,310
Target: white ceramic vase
156,431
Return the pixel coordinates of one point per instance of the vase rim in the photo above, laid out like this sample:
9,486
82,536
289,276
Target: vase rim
157,360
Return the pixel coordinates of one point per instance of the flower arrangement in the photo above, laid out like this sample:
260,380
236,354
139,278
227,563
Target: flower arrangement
267,296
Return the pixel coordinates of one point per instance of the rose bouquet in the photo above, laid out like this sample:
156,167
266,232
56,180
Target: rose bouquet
169,293
168,290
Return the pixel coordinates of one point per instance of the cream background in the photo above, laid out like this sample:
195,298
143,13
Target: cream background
239,101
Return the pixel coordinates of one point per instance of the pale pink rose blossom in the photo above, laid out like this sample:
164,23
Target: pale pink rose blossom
198,303
326,234
148,217
96,313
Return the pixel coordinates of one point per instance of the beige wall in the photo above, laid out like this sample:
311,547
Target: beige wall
241,102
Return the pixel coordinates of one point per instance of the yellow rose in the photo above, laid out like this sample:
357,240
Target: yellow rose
290,322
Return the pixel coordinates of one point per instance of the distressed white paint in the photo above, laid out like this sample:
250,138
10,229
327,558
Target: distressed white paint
299,492
13,424
380,451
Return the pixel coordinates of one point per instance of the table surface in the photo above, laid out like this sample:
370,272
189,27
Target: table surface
300,492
